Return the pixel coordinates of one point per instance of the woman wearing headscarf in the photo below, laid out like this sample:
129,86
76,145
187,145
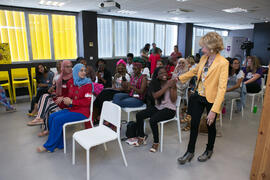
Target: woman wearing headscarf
136,89
120,80
78,102
181,68
53,101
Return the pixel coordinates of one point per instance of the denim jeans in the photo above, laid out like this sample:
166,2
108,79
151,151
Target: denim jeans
124,100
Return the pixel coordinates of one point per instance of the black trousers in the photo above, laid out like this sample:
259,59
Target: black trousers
104,95
197,105
253,87
155,116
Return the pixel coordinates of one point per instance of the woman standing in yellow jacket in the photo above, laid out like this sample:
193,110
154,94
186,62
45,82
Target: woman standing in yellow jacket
212,75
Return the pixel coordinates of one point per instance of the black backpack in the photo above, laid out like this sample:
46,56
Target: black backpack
131,129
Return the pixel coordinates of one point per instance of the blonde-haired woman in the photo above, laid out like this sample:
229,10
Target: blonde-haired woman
212,77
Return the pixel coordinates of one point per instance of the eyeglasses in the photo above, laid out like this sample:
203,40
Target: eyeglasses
68,66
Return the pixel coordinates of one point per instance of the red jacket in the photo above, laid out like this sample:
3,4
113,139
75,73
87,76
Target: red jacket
81,98
153,59
64,94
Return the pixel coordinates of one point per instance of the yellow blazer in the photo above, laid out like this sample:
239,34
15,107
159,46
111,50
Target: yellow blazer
215,81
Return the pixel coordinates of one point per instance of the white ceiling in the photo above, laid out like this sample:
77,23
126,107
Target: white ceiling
205,12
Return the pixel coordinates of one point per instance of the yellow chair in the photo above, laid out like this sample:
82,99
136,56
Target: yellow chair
20,78
4,77
34,81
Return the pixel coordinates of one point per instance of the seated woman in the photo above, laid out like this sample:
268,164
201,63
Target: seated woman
78,102
170,67
53,101
136,89
44,79
181,68
236,76
253,75
103,75
90,72
120,80
153,58
165,94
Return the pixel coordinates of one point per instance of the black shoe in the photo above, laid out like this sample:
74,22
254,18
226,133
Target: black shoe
187,157
205,156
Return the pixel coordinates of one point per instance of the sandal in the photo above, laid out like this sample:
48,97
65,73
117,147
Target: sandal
43,133
154,147
11,109
41,149
141,141
186,128
187,118
35,122
32,114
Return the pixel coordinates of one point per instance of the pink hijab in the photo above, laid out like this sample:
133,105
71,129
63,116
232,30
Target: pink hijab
63,76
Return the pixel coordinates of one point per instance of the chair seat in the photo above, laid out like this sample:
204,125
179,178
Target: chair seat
94,136
130,109
5,85
20,81
163,122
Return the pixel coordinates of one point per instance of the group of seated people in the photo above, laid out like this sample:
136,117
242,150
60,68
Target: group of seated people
66,95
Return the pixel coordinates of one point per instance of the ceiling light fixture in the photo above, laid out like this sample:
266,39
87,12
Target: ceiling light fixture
175,18
124,11
51,3
182,0
235,10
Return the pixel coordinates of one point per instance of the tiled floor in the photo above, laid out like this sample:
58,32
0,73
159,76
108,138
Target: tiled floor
232,156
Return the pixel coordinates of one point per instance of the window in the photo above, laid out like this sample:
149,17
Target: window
104,37
64,37
13,32
40,37
159,36
117,37
201,31
171,39
120,34
140,33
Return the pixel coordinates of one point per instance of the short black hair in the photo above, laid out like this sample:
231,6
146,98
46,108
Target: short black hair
130,55
100,60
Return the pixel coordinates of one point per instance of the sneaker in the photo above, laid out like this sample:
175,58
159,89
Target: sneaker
154,147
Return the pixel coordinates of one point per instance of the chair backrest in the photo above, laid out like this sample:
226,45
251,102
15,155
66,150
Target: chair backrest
111,113
20,73
4,76
33,72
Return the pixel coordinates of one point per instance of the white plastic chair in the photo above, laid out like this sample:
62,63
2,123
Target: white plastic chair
242,109
128,110
177,119
101,134
78,122
257,94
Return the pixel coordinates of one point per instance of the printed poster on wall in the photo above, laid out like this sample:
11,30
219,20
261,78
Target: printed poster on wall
5,52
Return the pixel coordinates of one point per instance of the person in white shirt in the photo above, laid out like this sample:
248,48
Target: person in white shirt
129,65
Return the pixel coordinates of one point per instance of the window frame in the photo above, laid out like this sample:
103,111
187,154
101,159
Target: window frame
28,11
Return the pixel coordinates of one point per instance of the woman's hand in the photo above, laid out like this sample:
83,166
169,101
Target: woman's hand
67,101
211,117
59,100
171,83
51,90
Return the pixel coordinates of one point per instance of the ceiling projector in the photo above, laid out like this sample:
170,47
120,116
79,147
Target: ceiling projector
109,5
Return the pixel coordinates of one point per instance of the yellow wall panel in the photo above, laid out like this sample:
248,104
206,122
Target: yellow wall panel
13,32
64,36
40,37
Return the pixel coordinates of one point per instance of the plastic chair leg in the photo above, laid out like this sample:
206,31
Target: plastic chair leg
105,147
73,151
64,139
231,109
128,116
10,95
179,131
161,137
30,92
122,152
252,103
14,93
88,164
